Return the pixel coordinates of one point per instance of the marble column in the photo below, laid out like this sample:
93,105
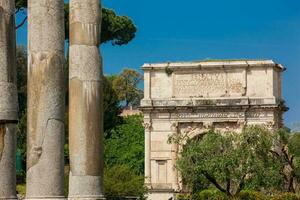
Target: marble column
8,100
174,154
85,101
148,126
46,92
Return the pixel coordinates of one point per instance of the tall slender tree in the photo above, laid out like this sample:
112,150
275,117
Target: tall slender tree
8,100
85,101
45,124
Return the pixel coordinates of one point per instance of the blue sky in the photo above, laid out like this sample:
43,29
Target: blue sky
173,30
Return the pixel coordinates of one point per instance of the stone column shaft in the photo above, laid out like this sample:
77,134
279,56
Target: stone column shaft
45,109
175,181
8,100
85,101
147,127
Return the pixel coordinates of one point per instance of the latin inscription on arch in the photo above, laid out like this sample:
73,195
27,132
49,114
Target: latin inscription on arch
208,84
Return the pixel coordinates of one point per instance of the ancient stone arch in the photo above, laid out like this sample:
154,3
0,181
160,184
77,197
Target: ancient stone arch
193,97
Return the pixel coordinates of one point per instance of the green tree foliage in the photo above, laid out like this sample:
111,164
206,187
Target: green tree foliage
21,134
294,151
21,4
111,105
212,194
124,160
288,152
119,30
126,86
230,162
121,181
125,146
21,62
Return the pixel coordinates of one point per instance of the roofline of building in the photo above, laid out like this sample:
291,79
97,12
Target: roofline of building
213,64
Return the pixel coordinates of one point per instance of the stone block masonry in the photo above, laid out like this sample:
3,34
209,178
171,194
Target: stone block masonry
192,97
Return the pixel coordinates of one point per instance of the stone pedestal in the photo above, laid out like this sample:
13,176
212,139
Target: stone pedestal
85,111
8,100
46,92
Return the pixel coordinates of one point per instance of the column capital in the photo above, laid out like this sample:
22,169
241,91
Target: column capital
147,126
174,126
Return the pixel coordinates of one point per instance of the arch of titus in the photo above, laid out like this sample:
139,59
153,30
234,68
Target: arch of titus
193,97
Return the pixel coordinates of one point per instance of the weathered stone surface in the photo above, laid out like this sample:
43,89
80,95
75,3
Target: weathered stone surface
216,79
85,12
45,163
191,98
46,92
7,42
45,26
85,101
85,23
85,187
85,62
87,34
85,140
8,100
208,84
7,161
8,97
7,7
148,128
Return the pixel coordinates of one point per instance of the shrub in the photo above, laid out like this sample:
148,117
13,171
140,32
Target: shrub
21,189
209,194
203,195
251,195
183,197
286,196
120,181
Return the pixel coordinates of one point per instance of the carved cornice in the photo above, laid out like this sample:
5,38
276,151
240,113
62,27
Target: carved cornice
213,103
